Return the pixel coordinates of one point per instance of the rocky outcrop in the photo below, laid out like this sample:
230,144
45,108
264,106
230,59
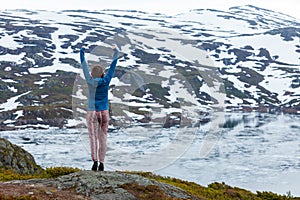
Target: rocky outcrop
103,185
16,158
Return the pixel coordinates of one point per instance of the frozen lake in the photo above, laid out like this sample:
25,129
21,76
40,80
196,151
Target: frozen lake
253,151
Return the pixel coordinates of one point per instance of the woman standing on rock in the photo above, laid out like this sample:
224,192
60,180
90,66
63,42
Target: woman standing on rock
97,115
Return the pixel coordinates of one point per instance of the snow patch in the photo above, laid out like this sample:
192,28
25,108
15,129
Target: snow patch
133,115
13,89
11,103
41,82
8,41
8,80
72,123
13,58
19,114
116,81
44,96
7,69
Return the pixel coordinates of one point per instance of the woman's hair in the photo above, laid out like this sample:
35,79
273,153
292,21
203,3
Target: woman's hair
97,72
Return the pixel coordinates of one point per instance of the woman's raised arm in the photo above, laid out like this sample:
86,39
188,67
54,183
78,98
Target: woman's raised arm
84,65
113,64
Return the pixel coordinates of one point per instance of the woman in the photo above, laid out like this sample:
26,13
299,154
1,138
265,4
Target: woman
97,115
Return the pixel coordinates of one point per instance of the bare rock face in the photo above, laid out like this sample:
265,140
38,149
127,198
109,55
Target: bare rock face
112,185
16,158
105,185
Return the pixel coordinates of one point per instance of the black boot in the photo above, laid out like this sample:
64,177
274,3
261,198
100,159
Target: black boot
95,166
101,167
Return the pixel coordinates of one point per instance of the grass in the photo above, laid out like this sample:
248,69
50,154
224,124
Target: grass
52,172
219,191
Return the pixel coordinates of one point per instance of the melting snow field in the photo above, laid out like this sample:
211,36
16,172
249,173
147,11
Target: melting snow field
285,50
255,151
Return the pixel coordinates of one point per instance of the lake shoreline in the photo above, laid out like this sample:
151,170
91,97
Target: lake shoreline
249,152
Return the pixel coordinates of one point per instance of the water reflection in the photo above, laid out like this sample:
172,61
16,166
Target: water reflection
249,120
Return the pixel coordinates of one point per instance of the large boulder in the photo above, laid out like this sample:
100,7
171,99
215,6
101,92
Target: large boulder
117,185
15,158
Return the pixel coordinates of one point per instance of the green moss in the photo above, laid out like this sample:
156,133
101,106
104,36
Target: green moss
52,172
27,197
219,191
9,174
273,196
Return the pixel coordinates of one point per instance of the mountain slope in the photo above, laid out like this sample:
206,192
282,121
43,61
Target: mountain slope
175,69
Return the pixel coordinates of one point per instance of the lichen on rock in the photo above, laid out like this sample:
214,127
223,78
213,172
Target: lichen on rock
15,158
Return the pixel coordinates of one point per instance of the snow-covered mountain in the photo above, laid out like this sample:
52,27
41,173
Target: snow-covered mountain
173,69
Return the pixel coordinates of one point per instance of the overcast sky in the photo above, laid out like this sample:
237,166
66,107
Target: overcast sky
290,7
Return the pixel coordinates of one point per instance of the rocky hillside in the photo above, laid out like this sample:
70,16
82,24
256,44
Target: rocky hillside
124,186
190,64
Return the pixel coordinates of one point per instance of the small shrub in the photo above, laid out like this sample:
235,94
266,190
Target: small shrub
9,174
273,196
53,172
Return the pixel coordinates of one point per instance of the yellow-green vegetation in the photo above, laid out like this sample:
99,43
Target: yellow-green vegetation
141,192
27,197
219,191
52,172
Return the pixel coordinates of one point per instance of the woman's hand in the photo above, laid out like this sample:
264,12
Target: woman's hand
116,50
82,58
83,48
115,47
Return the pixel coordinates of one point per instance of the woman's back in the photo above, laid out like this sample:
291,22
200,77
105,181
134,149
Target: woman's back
98,87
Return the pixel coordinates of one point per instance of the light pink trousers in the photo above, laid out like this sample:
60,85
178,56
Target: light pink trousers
97,122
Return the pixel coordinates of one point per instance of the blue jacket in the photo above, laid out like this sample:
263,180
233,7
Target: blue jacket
98,87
